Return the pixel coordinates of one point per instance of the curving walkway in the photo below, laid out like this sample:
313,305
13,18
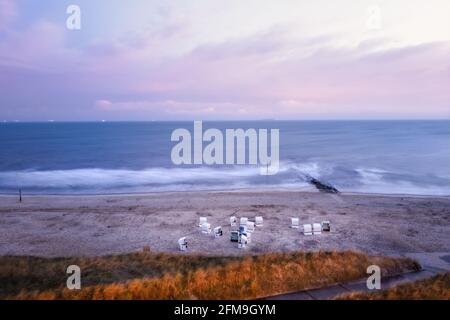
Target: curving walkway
433,263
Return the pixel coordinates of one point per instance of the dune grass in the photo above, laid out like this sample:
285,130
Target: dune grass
32,274
149,275
435,288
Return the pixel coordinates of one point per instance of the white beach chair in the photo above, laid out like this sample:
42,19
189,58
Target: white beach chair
206,228
234,236
242,244
307,230
218,232
326,226
202,221
182,242
233,221
243,221
295,223
317,228
250,226
249,237
259,221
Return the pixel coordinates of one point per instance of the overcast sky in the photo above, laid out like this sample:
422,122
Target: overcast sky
229,59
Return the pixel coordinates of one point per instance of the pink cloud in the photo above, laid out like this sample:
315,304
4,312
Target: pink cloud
265,75
405,80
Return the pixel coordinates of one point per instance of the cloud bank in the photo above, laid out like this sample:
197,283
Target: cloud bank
280,59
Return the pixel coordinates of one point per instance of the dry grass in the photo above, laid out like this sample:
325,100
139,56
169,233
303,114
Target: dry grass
168,276
435,288
32,274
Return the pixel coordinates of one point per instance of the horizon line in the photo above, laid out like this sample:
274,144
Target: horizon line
217,120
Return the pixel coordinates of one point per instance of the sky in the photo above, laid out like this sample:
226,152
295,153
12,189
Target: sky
223,60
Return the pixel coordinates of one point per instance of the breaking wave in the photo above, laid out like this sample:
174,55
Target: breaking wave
290,175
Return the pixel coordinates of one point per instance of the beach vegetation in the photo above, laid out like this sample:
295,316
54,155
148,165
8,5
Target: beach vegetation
149,275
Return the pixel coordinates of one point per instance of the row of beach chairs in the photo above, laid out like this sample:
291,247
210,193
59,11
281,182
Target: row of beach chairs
244,221
311,229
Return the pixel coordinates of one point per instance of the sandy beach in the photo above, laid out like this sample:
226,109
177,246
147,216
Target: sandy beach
52,226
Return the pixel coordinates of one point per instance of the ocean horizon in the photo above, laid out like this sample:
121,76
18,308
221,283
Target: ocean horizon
368,156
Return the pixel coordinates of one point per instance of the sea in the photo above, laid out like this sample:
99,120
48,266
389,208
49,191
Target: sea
388,157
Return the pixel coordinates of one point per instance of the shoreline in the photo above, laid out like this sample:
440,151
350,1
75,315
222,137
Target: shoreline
236,190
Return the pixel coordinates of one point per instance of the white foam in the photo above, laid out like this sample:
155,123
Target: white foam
367,180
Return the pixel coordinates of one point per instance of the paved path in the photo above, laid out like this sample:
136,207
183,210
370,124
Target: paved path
433,263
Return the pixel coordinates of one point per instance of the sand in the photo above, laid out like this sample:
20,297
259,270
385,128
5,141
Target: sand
52,226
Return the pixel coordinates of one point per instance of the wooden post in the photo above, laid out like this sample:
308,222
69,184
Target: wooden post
20,195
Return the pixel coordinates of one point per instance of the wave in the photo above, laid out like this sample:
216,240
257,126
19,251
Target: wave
374,180
290,175
152,179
